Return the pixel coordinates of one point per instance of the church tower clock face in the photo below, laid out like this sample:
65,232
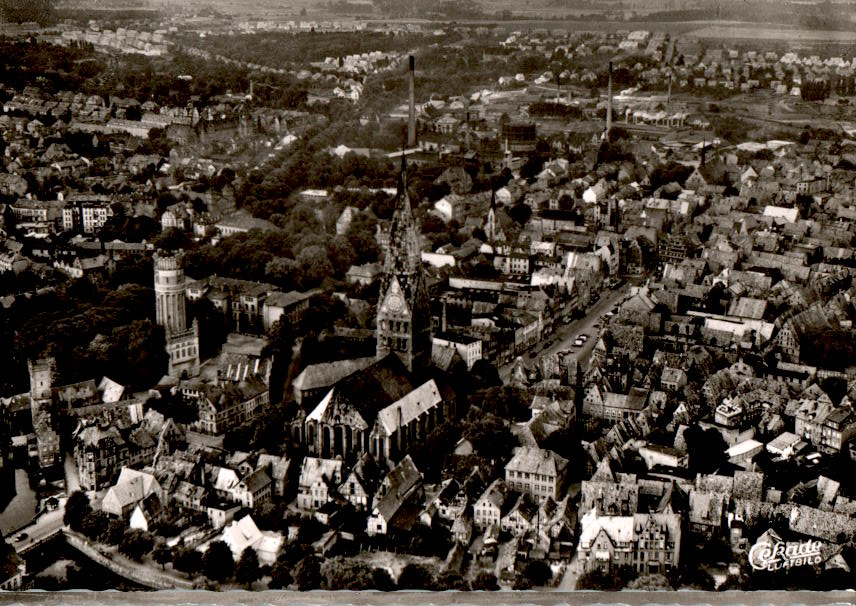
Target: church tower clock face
394,303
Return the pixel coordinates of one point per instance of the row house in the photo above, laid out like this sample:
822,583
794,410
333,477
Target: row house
225,405
827,427
492,505
88,218
318,481
649,543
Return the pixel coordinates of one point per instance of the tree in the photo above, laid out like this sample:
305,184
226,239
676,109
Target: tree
162,555
77,508
613,580
187,560
280,576
416,576
382,580
114,532
695,577
20,11
490,436
650,582
313,266
307,573
95,525
485,581
538,572
247,571
520,213
507,402
339,574
429,541
217,563
135,544
449,580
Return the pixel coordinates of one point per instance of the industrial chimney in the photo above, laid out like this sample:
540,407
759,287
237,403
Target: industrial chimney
669,98
609,103
411,118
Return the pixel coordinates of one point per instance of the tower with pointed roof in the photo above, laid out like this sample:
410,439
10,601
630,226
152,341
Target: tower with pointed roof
403,310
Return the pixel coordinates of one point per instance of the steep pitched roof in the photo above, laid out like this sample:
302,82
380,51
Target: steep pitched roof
397,485
358,398
410,407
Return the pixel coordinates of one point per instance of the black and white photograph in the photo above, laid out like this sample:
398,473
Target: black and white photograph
459,296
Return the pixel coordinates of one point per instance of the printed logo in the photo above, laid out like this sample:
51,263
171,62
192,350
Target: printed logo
776,555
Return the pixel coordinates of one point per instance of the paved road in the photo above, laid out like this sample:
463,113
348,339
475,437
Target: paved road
572,573
47,524
563,338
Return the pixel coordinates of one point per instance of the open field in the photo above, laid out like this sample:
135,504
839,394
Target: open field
773,33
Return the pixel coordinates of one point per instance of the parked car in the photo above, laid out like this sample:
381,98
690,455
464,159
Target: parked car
578,343
22,537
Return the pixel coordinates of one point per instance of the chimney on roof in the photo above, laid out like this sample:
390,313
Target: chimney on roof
411,117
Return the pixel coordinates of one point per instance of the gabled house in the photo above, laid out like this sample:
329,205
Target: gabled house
397,495
706,511
244,534
491,505
130,489
254,490
277,469
147,514
318,479
361,482
521,517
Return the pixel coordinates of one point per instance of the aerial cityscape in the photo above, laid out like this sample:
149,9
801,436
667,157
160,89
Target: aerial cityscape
450,296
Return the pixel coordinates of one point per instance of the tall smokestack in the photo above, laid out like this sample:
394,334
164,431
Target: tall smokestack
669,98
411,121
609,103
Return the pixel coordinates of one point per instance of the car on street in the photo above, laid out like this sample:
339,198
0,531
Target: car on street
22,537
579,342
584,337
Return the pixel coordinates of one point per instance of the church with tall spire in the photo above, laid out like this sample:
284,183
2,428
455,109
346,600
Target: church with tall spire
396,401
403,310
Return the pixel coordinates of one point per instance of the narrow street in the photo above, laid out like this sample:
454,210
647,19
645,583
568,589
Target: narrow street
572,573
563,338
72,481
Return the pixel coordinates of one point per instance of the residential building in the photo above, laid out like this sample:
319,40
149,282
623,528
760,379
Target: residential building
468,347
225,405
100,453
254,490
318,479
286,306
129,490
537,472
650,543
396,503
491,505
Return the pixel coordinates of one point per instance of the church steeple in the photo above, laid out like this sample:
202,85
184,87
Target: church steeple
403,252
403,312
